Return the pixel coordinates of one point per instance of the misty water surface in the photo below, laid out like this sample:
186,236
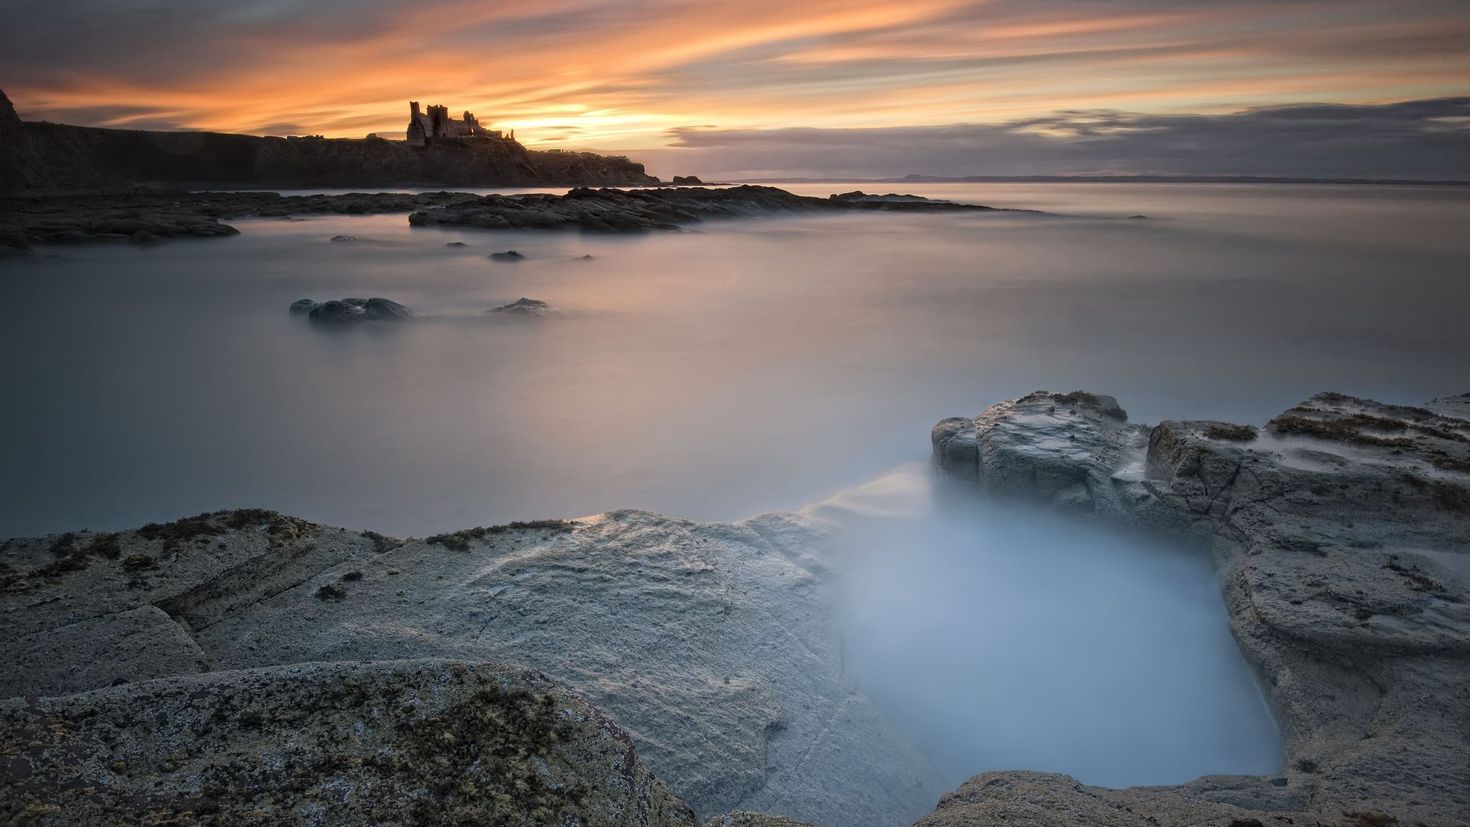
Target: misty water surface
750,366
1003,636
759,365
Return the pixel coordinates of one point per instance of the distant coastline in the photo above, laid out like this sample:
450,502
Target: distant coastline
1105,179
41,157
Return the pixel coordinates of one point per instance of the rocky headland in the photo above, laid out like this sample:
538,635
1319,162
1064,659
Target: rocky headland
50,157
246,666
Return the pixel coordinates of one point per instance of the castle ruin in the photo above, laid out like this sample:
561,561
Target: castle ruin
435,123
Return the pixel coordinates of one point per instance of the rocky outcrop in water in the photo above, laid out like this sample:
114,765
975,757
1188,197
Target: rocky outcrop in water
31,220
1341,532
524,307
342,312
113,217
712,645
403,742
613,210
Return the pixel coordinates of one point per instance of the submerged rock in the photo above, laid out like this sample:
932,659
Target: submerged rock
419,741
352,311
1342,536
343,239
525,307
507,255
455,244
143,238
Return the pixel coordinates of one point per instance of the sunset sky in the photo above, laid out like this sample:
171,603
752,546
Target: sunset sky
702,82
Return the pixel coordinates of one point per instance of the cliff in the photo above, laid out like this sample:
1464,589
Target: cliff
48,156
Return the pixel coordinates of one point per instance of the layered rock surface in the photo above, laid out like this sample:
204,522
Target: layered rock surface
712,645
407,742
1341,532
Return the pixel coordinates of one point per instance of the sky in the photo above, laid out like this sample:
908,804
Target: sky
1376,88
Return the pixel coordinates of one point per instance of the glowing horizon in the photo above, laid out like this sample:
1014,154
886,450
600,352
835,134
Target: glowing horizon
589,74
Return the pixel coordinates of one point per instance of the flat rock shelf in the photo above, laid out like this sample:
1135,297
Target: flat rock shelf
620,665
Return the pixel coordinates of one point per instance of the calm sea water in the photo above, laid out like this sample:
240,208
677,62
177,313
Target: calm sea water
750,366
759,365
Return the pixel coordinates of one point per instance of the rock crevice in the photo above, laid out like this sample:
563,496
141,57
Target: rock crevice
1344,551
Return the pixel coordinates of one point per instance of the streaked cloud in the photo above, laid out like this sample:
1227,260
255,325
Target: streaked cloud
1426,140
616,75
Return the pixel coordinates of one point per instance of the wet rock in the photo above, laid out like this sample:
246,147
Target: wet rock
455,244
304,306
354,311
143,238
1342,537
524,307
507,255
420,741
344,239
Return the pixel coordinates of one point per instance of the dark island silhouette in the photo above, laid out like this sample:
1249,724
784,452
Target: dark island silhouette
38,156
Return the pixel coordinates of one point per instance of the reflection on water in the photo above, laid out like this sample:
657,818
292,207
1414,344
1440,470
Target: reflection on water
750,366
1004,638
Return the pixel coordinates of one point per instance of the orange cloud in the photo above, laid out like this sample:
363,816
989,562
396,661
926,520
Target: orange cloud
615,75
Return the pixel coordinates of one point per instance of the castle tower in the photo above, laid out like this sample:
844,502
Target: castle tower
416,136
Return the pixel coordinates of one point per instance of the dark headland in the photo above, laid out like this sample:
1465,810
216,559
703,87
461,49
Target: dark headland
49,157
66,184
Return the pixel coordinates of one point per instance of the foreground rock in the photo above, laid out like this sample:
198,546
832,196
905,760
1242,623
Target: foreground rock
423,742
346,312
613,210
713,645
1342,535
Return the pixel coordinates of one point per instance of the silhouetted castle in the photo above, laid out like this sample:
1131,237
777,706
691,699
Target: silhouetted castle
436,123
